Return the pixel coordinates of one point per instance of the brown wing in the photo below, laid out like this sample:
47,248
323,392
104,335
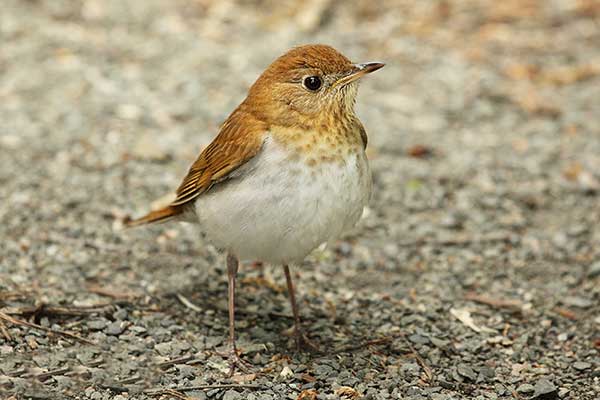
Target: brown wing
240,139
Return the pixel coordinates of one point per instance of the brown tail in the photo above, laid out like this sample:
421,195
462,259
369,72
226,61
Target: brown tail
162,215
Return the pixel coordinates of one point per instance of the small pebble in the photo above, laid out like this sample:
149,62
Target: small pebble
115,328
97,324
467,372
286,372
594,270
581,365
418,339
526,388
577,301
231,395
544,389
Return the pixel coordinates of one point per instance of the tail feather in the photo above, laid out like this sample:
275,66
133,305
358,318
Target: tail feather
162,215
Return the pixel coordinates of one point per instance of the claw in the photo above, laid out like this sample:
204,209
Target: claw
236,362
303,343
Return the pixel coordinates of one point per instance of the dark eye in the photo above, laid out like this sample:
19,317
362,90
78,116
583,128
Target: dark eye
312,83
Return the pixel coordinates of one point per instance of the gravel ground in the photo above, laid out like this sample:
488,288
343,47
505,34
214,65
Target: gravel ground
474,275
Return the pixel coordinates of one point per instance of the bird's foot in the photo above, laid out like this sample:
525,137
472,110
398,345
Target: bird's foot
236,362
303,343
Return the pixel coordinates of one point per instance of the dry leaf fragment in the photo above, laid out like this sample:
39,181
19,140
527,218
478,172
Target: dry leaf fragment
521,71
513,304
286,372
576,173
309,394
566,75
464,316
533,102
308,378
572,171
566,313
243,378
347,393
420,151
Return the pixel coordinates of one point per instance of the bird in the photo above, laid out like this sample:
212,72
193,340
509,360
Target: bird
286,173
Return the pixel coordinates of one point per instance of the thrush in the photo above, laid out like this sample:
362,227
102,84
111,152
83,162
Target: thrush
286,173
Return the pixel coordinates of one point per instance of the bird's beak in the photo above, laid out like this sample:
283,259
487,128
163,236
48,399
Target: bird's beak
358,71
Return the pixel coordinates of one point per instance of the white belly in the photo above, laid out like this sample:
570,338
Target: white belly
277,211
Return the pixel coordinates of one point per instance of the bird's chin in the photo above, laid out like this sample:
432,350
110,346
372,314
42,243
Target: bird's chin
347,95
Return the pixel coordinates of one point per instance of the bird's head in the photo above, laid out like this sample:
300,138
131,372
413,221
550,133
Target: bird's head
306,85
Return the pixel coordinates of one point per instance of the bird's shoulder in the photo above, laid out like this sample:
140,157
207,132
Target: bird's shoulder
240,139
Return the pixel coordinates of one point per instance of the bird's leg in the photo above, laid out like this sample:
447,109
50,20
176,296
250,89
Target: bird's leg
302,341
234,358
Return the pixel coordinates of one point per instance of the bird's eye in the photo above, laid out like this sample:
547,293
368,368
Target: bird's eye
312,83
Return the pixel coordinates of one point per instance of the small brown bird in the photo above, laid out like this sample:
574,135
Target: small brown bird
287,171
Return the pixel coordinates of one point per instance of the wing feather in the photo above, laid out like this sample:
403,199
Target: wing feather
240,139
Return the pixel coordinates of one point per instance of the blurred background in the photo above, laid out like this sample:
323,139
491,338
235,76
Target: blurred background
153,79
484,140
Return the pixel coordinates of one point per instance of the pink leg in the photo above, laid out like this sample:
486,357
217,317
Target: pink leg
234,358
302,341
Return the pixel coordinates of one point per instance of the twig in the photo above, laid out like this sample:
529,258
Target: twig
15,321
565,312
173,393
460,240
111,293
366,344
206,387
13,295
5,331
17,372
280,315
44,375
181,360
113,387
119,385
421,362
187,303
514,305
129,380
95,363
57,310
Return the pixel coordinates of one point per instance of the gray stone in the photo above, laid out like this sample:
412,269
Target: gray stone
594,270
120,314
526,388
323,370
581,365
577,301
232,395
418,339
97,324
466,371
115,328
163,348
441,343
545,390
